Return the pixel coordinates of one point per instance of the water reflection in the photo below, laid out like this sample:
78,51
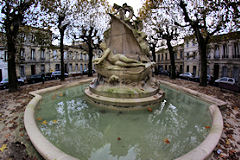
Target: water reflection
87,132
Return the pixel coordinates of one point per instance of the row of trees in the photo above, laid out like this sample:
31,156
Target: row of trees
75,19
171,20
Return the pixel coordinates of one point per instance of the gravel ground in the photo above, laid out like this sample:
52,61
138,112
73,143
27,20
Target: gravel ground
15,144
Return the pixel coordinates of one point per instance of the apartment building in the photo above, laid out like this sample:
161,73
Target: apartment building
163,59
223,56
37,55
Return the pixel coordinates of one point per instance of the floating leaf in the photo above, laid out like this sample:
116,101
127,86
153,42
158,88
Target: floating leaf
118,138
54,121
39,118
166,141
149,109
61,94
4,146
53,97
44,122
207,127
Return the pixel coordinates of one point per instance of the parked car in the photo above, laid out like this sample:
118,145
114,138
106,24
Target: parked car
186,75
85,72
225,80
4,83
34,78
48,76
164,72
57,75
209,79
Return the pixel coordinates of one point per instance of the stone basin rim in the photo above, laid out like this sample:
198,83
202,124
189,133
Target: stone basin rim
49,152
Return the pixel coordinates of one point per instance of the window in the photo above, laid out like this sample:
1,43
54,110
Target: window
42,54
224,71
5,56
225,51
76,67
216,54
22,71
159,58
166,56
236,53
33,38
81,68
187,55
162,57
85,67
181,54
187,44
54,54
81,56
76,55
22,52
70,67
42,68
187,68
236,73
33,54
65,55
194,55
57,67
165,67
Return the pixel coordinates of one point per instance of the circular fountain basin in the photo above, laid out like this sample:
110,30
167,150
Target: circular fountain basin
66,126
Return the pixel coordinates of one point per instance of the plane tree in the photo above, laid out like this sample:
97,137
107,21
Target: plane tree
92,21
14,14
59,16
160,25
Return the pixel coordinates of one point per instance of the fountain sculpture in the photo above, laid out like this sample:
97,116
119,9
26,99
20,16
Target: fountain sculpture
125,69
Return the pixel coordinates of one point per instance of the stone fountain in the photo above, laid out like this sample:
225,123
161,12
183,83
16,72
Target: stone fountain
124,71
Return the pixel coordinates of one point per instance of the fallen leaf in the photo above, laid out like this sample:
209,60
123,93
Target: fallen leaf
4,146
227,142
7,135
166,141
44,122
21,134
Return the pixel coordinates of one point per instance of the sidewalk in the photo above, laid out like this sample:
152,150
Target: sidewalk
15,144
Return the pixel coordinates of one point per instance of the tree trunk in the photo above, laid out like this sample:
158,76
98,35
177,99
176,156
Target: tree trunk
12,75
62,55
90,56
172,59
203,59
202,49
153,49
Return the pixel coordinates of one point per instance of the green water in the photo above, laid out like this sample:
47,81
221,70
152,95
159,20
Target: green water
88,132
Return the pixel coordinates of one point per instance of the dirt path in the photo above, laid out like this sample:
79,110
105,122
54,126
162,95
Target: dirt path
15,144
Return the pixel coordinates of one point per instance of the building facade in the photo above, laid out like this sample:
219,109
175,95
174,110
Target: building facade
37,55
223,56
163,59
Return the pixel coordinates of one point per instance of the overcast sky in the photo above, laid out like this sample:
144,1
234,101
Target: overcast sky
136,4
